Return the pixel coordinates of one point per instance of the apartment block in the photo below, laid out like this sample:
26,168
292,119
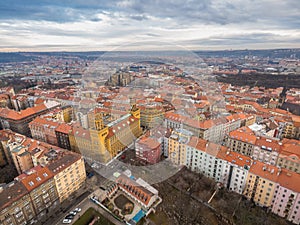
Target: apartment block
232,170
241,140
261,183
201,156
148,149
68,170
286,201
18,121
177,146
43,129
289,156
16,206
40,185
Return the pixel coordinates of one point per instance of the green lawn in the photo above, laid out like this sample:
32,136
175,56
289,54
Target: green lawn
89,215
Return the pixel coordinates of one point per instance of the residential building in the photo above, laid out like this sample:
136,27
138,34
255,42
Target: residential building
16,206
40,185
152,114
241,140
201,156
18,121
43,129
177,146
261,183
234,169
266,150
213,130
21,157
148,149
68,170
62,135
289,156
286,201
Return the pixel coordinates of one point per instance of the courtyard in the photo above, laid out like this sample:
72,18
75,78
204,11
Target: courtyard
122,206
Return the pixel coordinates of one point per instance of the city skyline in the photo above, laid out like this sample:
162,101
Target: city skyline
94,25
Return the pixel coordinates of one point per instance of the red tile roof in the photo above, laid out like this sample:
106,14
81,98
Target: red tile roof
64,128
35,177
134,189
289,180
265,171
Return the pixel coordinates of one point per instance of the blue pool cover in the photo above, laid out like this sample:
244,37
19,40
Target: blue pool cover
139,216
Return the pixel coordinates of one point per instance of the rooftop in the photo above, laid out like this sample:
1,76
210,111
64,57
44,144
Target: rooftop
11,193
35,177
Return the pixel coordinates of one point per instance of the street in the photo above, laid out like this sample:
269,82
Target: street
85,205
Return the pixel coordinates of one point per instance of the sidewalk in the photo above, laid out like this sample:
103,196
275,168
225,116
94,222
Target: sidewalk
51,217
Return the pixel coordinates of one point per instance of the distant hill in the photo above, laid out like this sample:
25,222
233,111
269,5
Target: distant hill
93,55
271,53
15,57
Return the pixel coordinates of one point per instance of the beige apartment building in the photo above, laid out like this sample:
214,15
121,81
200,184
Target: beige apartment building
69,172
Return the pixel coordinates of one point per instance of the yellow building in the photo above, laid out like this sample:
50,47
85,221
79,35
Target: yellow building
122,132
261,183
69,172
152,115
290,130
177,146
68,113
103,142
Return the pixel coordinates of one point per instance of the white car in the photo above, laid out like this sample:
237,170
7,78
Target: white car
73,213
77,210
67,221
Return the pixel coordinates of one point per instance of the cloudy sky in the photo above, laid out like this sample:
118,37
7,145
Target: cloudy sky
51,25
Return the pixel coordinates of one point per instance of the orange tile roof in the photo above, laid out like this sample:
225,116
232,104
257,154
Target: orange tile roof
265,171
244,134
64,128
205,146
35,177
14,115
206,124
233,157
40,121
39,101
135,189
289,180
290,147
269,144
149,142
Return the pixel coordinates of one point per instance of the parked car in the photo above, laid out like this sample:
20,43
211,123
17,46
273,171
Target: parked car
67,221
69,216
73,213
77,210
